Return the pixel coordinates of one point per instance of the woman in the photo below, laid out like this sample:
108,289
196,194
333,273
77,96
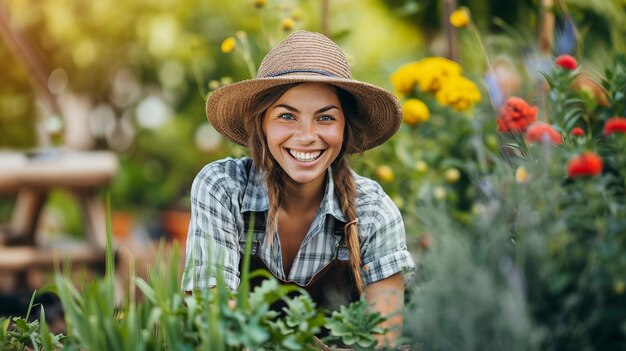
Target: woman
317,223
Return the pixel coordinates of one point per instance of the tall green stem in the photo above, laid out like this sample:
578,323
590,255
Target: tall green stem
245,53
483,50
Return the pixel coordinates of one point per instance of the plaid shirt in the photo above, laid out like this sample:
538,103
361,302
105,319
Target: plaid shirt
225,189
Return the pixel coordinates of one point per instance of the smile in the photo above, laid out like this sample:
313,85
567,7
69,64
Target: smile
305,156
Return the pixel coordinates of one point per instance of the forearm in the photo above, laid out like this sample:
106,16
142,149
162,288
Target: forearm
387,298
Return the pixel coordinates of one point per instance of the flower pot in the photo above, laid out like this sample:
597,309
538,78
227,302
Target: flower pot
122,224
175,224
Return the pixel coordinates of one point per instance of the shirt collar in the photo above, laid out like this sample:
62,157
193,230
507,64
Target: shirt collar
330,203
255,198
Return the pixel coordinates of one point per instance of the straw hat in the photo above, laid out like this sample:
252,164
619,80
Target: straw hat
304,57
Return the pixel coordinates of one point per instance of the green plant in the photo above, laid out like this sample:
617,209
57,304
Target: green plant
18,333
169,319
354,325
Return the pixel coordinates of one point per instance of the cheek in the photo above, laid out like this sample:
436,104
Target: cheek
276,134
337,138
334,136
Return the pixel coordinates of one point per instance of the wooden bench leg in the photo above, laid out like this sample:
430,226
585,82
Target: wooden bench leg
25,216
94,218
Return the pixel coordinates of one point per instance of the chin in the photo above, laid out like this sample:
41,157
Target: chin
302,179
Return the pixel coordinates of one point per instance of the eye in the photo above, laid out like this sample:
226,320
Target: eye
286,116
326,118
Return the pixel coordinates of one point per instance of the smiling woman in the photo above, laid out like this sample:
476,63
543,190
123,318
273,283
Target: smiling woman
317,224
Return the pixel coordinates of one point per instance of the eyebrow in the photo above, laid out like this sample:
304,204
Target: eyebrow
293,109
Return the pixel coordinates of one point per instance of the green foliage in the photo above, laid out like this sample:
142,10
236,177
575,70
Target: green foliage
614,83
17,333
354,325
169,319
567,105
538,261
302,321
165,318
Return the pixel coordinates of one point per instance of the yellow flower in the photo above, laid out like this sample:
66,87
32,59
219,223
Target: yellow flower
452,175
259,3
228,45
460,18
521,175
491,141
434,71
214,84
421,166
459,93
414,112
384,173
287,24
405,77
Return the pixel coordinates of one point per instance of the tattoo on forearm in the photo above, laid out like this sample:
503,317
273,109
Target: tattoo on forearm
387,297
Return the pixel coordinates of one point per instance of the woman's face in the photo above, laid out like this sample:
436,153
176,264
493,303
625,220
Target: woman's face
304,131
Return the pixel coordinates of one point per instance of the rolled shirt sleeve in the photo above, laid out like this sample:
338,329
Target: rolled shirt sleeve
383,248
212,241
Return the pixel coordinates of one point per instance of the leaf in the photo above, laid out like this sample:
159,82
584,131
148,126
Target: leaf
146,289
569,125
291,343
266,293
44,332
22,325
30,305
244,286
4,326
355,324
366,341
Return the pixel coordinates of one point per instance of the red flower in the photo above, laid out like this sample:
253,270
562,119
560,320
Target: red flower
587,164
614,125
542,132
516,115
577,131
566,61
425,241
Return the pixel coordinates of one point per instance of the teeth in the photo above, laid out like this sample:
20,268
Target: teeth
305,156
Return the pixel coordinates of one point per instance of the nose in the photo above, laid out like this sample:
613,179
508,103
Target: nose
307,132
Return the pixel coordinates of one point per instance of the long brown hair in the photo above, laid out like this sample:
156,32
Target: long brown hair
345,186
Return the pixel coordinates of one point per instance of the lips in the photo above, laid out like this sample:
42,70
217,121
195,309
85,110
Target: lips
305,156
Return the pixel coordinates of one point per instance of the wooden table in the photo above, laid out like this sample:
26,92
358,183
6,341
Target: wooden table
32,176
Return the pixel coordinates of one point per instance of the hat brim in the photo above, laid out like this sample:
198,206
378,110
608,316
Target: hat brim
380,110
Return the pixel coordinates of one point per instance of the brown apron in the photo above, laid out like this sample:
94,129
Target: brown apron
331,287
